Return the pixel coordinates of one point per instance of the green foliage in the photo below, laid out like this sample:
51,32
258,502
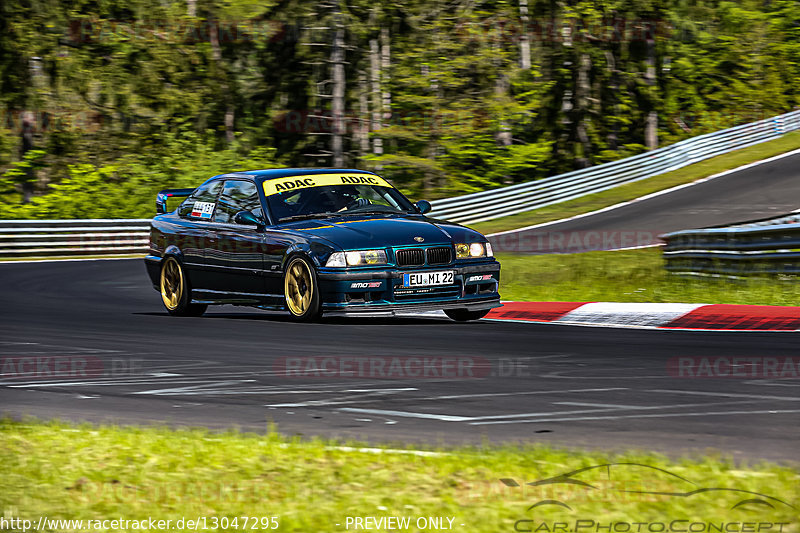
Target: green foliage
7,146
116,84
22,172
127,188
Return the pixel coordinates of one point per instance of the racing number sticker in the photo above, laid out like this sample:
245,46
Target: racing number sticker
203,209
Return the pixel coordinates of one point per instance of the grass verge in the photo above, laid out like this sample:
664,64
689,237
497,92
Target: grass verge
630,276
631,191
94,473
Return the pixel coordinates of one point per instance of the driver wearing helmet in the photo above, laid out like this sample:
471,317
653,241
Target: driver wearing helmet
349,198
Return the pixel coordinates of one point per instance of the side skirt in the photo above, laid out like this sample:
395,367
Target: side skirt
208,296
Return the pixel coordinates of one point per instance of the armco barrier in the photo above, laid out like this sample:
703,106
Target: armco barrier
488,205
23,238
770,246
29,238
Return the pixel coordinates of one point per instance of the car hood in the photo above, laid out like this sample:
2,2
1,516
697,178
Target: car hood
380,231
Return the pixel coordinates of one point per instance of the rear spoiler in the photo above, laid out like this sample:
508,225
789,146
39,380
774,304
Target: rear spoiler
162,196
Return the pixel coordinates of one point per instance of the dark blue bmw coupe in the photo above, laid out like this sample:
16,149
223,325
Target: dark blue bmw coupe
313,242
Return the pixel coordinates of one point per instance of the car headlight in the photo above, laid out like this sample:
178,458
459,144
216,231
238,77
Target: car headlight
476,249
357,258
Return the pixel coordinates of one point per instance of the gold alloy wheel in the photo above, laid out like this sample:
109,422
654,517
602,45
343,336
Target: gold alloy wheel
171,283
299,287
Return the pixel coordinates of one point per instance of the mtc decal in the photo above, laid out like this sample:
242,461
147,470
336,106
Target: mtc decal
365,285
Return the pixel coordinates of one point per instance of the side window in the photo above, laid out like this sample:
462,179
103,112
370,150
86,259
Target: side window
200,205
237,195
373,194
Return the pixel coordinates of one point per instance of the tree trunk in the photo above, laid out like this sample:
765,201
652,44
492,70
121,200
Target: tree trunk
385,66
230,115
432,149
651,131
581,109
364,115
25,146
216,53
611,65
651,122
377,102
524,40
503,136
337,103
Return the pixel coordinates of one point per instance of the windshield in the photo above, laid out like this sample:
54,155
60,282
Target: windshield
329,200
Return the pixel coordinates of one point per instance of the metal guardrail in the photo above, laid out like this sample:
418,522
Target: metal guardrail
496,203
25,238
770,246
29,238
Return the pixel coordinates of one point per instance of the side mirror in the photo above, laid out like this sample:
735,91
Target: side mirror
247,218
424,206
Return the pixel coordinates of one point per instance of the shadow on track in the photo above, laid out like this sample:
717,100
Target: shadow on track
326,320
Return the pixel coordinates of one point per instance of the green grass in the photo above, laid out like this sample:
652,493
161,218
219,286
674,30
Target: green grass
629,276
102,472
624,193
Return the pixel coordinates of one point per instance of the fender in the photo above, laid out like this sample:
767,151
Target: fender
299,248
173,251
317,252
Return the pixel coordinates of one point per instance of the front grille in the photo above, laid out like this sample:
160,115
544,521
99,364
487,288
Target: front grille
410,257
439,256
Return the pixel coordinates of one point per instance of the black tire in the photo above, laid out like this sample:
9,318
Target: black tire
462,315
175,290
301,290
196,309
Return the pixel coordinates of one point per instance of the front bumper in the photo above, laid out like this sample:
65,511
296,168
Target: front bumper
475,288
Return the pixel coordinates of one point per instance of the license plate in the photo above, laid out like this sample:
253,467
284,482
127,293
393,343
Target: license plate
426,279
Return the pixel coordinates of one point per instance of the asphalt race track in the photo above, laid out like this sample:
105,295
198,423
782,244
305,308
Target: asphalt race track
761,191
89,340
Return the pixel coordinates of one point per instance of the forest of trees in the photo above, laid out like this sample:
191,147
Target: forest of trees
103,102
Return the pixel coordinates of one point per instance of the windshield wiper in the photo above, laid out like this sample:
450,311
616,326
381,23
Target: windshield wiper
371,212
307,216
